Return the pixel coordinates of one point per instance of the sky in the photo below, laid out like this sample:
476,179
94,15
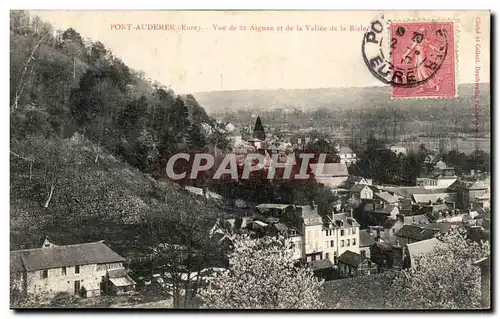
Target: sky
210,60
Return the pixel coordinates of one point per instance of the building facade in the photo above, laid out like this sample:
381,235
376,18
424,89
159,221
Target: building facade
328,238
73,269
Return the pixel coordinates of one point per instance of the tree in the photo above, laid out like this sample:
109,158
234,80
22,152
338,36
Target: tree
263,275
181,248
322,146
445,278
49,161
21,82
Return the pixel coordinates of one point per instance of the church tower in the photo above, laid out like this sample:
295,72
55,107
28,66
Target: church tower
258,130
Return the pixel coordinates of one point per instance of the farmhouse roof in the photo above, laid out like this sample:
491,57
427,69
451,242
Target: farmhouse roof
61,256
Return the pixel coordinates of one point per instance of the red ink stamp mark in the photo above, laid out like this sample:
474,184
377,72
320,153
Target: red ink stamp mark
422,55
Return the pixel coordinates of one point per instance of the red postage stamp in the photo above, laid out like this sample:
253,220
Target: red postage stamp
423,59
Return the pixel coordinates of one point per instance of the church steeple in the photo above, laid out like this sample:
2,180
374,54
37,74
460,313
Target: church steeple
258,130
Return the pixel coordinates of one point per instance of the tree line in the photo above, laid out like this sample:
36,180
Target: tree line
386,167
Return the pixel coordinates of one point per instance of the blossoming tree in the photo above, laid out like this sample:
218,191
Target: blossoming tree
445,278
263,275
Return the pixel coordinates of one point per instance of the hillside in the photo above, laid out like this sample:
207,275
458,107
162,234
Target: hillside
89,136
108,200
332,98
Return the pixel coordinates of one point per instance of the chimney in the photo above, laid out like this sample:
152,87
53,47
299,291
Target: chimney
352,213
472,172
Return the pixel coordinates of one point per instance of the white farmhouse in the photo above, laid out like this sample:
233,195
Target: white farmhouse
52,269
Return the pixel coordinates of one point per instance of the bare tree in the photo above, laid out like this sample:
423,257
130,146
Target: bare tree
21,82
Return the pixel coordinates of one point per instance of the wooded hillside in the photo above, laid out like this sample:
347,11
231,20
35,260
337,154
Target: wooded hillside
88,135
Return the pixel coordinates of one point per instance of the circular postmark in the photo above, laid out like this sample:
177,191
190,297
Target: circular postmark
411,56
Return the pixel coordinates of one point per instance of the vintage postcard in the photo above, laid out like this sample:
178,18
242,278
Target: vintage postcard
250,159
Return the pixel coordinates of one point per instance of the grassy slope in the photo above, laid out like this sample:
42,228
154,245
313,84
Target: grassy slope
108,200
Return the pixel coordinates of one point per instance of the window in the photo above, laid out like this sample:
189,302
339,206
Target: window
313,257
326,232
342,243
342,232
354,241
363,253
393,231
354,231
77,269
348,242
44,274
332,243
327,256
63,271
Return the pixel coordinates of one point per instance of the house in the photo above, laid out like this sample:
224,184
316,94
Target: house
420,248
346,155
449,215
387,255
235,137
386,199
70,268
238,223
365,242
469,191
485,265
325,237
442,176
355,180
443,227
352,264
286,231
347,233
361,191
405,206
229,127
411,233
390,227
439,181
256,143
387,211
415,219
323,269
203,192
417,194
332,175
274,210
435,197
118,282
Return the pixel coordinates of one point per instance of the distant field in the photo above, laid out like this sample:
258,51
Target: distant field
466,146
